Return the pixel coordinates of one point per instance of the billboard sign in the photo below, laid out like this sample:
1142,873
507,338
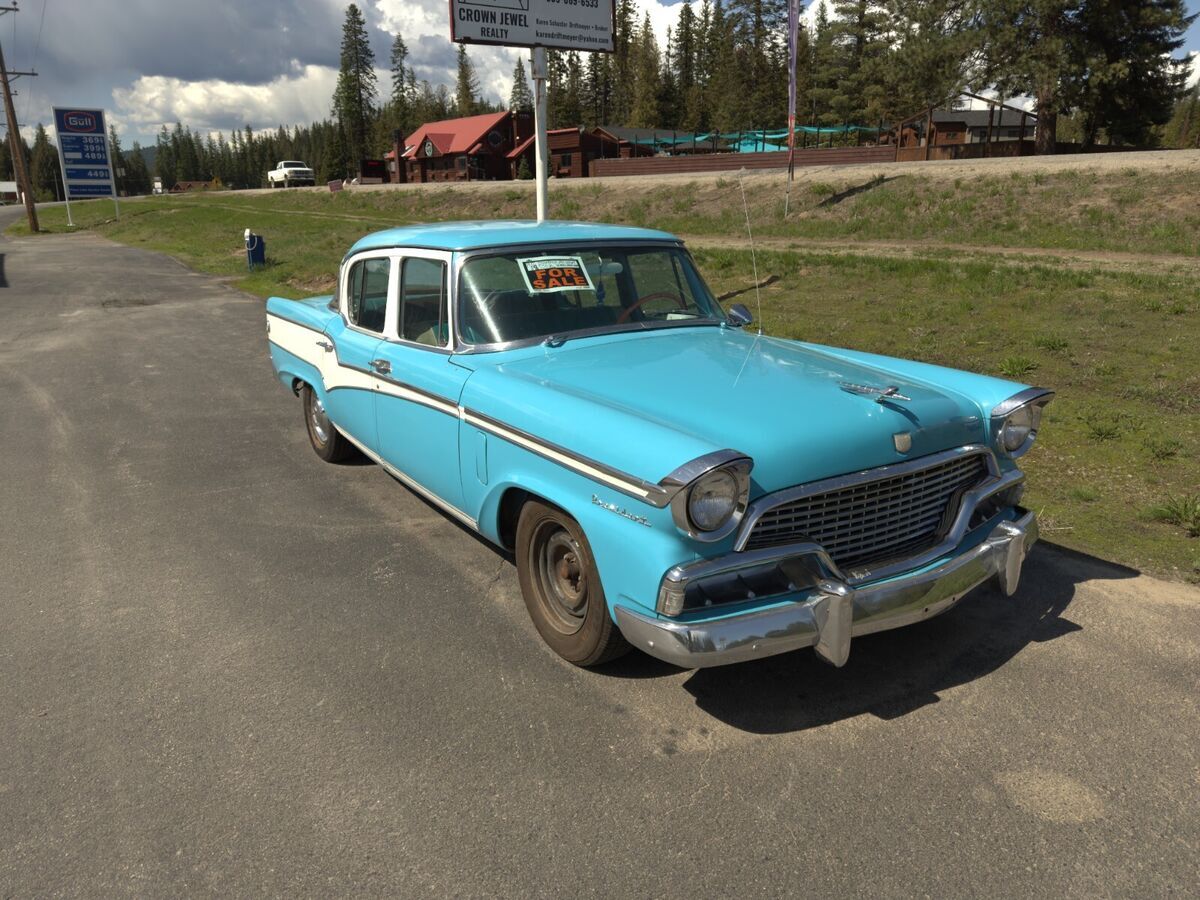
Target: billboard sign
558,24
83,153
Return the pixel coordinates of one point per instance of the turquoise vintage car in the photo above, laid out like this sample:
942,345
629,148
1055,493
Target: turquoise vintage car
664,476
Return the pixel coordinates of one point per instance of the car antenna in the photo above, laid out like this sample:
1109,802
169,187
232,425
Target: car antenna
753,257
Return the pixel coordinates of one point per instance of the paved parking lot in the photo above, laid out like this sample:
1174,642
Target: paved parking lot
229,668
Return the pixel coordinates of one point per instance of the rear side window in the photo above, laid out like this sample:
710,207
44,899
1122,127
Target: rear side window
366,294
423,302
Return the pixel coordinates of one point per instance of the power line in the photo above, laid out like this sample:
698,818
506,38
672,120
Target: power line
36,47
20,169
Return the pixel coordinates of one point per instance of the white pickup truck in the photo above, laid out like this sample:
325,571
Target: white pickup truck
290,172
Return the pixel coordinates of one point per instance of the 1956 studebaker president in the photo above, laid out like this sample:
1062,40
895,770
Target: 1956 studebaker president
664,476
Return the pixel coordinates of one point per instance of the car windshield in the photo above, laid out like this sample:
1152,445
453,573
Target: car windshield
531,294
294,164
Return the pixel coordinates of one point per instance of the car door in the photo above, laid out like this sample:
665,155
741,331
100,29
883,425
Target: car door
417,409
351,359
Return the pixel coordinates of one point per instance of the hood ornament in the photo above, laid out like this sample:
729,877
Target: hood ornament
880,394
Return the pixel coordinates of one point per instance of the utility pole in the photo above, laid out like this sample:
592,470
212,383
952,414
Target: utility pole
14,137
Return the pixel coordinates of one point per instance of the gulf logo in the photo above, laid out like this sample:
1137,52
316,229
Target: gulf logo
76,120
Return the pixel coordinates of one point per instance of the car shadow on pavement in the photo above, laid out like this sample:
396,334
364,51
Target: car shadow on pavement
893,673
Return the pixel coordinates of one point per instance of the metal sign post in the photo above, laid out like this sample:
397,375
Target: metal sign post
83,156
538,67
536,24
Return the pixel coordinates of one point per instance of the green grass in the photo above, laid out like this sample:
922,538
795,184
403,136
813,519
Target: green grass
1123,433
1118,459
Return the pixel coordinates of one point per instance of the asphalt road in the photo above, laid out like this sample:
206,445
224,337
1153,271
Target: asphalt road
229,668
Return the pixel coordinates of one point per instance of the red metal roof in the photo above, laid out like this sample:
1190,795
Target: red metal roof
455,136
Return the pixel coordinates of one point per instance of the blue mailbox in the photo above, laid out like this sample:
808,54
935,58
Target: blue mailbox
256,249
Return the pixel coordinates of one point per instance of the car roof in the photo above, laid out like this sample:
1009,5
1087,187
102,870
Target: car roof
477,235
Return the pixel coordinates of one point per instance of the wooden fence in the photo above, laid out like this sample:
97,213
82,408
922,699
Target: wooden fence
837,156
725,162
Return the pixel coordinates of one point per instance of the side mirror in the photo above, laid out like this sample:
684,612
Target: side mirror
739,316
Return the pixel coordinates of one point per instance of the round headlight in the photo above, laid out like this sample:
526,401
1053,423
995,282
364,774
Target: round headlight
712,500
1019,429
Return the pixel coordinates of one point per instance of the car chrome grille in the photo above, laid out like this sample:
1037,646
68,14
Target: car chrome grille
877,518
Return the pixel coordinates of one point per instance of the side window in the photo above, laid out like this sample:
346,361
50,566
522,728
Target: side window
423,302
366,299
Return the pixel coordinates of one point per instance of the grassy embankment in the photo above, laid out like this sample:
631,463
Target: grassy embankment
1116,472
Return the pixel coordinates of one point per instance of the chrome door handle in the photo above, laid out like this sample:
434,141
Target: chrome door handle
326,346
382,366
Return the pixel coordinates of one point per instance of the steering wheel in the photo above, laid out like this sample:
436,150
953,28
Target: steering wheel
658,295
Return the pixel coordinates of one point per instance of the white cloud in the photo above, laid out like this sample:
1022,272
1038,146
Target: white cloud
215,105
1195,77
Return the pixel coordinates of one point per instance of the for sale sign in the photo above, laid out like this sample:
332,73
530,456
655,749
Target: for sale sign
562,24
547,274
83,152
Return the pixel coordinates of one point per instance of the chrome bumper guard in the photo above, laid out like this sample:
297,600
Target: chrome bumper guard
832,612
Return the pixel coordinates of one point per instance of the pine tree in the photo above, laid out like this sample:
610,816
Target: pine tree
933,56
571,107
760,36
683,54
1030,45
116,157
725,97
597,90
403,88
1183,131
1129,83
696,111
668,101
466,92
355,94
137,176
622,76
556,88
520,98
859,39
6,163
44,170
645,66
825,70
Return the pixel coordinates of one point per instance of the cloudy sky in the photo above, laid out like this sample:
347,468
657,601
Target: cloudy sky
222,64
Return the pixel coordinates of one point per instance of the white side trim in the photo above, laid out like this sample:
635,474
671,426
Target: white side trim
570,462
306,344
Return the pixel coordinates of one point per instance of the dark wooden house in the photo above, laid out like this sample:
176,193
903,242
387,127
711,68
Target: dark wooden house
474,148
571,152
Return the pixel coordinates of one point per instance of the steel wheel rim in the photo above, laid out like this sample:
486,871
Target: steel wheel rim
561,571
318,419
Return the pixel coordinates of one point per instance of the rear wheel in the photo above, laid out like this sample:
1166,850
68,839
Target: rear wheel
327,441
562,587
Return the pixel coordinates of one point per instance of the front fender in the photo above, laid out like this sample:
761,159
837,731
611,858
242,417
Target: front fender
631,551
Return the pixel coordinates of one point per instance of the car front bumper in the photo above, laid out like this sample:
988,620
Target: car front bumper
833,612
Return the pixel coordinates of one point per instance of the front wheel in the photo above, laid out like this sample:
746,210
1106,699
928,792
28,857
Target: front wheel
327,441
562,587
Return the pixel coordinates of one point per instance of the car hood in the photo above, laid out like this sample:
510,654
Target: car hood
646,403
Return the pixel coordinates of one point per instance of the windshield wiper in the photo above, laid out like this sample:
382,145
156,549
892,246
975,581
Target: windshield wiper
554,340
